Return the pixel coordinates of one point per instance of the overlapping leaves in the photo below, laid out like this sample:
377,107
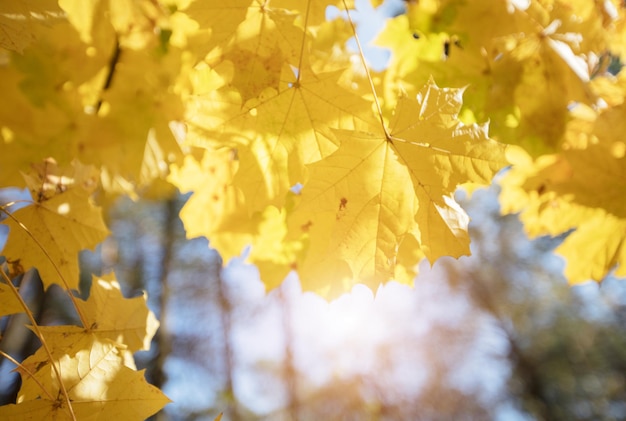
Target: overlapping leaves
538,71
293,147
312,153
61,221
381,187
95,364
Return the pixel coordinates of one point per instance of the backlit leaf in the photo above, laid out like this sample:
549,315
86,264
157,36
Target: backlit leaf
61,221
100,386
123,320
366,197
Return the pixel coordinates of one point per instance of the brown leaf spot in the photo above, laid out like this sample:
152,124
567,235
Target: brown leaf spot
342,208
541,189
306,227
15,268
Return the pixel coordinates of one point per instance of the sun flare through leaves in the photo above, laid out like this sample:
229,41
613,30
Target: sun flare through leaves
293,150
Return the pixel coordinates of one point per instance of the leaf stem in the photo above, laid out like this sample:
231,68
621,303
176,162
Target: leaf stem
306,23
44,344
367,72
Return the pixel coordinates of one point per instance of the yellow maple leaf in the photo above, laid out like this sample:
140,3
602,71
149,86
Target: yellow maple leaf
217,210
275,250
293,128
597,246
98,384
580,188
378,188
126,321
277,133
523,64
62,220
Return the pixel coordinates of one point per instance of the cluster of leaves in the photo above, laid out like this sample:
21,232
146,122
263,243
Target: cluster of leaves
539,72
292,147
79,370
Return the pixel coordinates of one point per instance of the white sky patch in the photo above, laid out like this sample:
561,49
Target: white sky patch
63,209
518,4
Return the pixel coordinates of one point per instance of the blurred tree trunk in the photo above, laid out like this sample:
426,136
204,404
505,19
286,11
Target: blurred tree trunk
231,411
290,375
163,339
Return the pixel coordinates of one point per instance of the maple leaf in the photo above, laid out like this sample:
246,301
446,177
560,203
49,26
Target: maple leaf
579,188
593,168
376,189
522,84
130,326
217,210
279,132
293,130
275,250
597,246
597,243
110,315
278,117
98,384
49,233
